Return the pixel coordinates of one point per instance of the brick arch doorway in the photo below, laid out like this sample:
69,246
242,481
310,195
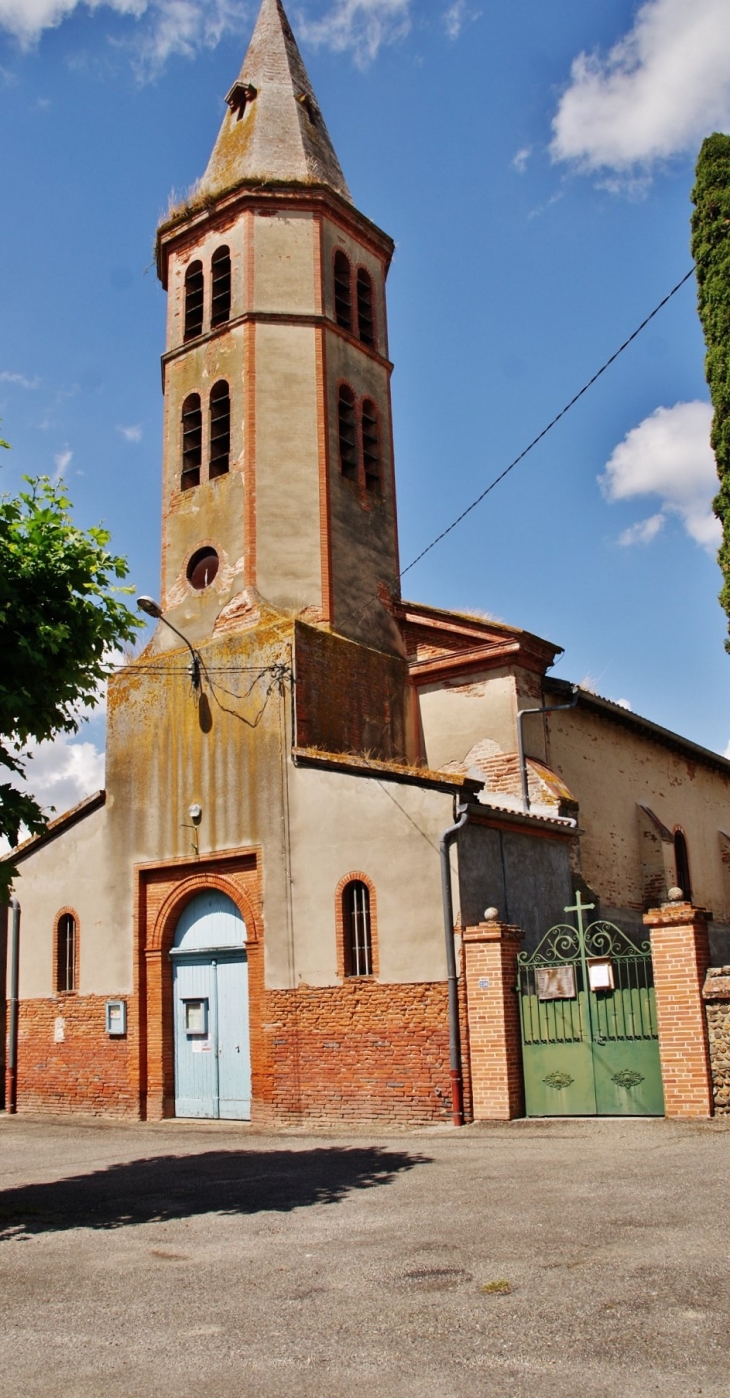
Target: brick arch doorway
210,1009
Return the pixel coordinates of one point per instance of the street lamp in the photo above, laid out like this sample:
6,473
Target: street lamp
153,609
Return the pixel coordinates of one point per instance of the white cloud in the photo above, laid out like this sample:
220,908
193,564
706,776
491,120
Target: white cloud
362,26
61,460
183,27
662,87
458,13
168,26
27,19
668,455
19,379
644,531
727,752
131,434
520,159
62,772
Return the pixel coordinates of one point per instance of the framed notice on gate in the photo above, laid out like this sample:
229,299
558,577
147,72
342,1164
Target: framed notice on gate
555,982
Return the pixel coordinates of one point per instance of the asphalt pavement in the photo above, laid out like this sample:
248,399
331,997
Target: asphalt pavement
542,1259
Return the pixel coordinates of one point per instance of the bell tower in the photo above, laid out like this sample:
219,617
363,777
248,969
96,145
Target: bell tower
278,479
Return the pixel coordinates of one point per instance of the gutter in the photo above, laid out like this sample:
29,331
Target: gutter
12,1101
455,1068
521,714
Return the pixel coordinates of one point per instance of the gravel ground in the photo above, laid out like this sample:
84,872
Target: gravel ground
561,1258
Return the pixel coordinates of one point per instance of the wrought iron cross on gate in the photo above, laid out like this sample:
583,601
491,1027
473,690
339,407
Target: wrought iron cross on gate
580,907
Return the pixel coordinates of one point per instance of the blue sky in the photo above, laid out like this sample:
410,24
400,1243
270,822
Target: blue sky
533,162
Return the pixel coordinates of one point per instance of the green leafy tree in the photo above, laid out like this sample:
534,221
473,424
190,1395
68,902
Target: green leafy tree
60,615
711,252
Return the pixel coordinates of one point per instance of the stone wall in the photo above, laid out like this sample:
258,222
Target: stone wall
716,994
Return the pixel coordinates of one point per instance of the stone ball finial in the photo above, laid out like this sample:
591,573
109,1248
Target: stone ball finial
491,914
675,895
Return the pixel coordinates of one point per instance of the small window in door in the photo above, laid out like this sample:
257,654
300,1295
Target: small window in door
196,1016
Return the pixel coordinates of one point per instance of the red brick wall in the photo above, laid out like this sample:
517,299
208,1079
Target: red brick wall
360,1051
494,1023
680,954
88,1072
349,698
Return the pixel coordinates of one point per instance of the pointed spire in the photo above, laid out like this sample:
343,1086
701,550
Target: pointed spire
273,130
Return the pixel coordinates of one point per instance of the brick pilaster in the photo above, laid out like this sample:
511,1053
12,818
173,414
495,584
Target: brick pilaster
490,969
681,954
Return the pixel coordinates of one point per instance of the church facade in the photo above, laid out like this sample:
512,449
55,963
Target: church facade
249,921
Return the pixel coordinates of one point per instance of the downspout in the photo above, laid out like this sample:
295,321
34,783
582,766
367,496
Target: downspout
13,1029
521,713
457,1090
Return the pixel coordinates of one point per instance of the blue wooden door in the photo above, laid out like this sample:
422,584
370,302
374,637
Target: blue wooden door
210,1001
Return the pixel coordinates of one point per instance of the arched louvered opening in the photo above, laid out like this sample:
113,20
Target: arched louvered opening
221,290
66,954
343,291
356,926
194,300
220,429
365,317
192,441
681,865
348,434
371,447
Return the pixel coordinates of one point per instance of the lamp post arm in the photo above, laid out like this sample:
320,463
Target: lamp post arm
194,654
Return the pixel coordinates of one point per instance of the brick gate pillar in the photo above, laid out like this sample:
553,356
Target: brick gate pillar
490,974
680,951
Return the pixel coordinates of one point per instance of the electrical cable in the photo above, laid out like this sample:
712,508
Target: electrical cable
545,430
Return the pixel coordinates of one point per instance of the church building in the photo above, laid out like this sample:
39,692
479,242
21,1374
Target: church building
315,788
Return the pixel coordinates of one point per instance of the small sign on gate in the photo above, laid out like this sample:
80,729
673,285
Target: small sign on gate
555,982
600,974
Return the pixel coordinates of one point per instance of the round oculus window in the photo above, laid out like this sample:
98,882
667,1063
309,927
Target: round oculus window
202,568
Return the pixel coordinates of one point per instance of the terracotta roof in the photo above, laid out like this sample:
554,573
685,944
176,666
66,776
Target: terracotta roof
274,131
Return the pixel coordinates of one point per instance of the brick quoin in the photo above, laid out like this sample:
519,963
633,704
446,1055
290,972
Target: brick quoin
495,1053
681,955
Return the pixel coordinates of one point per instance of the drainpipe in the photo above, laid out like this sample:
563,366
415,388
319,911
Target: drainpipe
445,843
13,1030
549,709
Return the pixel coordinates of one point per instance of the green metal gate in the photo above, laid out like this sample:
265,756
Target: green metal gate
590,1043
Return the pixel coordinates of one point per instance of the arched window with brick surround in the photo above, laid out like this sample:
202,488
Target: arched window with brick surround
67,953
220,429
220,266
348,432
365,315
194,301
343,291
370,433
192,441
357,950
681,865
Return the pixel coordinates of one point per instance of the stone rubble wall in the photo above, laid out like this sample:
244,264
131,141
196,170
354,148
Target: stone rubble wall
716,994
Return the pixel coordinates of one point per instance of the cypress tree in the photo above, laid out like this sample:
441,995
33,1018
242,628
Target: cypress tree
711,252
